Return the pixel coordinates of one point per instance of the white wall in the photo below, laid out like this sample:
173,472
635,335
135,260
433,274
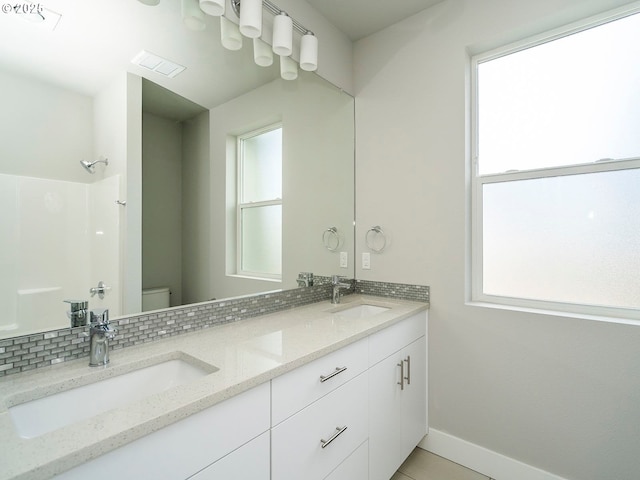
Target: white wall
162,205
195,216
118,136
45,130
558,393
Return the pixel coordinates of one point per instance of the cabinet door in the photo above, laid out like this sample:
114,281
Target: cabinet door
414,396
398,413
251,461
384,418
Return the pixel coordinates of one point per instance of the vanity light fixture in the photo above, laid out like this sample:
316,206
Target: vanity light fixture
288,68
282,40
251,18
192,15
262,53
230,35
213,7
309,52
283,34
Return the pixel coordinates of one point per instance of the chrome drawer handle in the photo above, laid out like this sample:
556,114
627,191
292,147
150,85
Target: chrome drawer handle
325,443
338,370
408,377
401,382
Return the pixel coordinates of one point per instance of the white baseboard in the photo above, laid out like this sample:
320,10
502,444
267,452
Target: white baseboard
487,462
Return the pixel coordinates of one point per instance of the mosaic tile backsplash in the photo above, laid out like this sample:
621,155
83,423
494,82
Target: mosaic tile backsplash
21,354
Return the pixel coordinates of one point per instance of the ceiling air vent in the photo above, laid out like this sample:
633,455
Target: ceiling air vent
157,64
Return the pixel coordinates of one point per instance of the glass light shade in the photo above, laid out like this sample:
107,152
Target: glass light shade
192,16
309,52
213,7
150,2
262,53
251,18
288,68
230,35
283,35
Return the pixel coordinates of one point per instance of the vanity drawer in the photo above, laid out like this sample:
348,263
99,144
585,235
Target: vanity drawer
295,390
297,449
390,340
356,467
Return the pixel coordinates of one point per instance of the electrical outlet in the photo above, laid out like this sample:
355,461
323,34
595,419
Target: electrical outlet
344,259
366,261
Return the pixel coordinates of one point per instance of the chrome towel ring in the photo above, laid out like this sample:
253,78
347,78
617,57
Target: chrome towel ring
331,239
376,239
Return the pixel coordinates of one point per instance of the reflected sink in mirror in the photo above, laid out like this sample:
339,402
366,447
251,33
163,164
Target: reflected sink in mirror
37,417
361,311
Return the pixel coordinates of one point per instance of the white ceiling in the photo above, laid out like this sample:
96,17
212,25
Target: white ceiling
94,40
360,18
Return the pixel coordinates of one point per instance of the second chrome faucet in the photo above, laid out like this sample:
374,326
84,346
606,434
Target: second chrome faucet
337,283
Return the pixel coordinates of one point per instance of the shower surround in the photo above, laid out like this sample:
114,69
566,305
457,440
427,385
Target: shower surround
58,257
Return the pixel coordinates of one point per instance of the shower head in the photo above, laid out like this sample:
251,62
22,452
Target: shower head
90,166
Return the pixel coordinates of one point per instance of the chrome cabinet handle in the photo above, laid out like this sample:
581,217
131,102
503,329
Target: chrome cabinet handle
408,377
338,432
401,382
324,378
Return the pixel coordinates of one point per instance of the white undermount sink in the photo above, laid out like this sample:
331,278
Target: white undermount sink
361,311
37,417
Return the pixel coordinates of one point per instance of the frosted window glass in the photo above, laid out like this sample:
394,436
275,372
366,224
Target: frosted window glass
262,239
569,101
572,239
262,167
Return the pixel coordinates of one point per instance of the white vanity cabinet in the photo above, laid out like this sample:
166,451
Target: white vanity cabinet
222,433
397,395
354,414
320,416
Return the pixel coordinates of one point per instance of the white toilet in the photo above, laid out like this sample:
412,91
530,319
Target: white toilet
155,298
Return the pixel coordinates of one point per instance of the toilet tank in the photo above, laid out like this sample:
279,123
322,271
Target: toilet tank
155,298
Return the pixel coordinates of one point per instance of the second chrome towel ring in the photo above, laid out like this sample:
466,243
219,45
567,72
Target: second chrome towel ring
376,239
331,239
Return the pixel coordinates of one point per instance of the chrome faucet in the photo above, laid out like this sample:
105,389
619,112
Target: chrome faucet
305,279
78,313
336,285
100,332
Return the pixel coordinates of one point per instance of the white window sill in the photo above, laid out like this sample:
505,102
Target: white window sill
555,313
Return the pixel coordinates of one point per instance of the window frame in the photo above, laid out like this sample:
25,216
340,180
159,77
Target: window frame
476,294
241,207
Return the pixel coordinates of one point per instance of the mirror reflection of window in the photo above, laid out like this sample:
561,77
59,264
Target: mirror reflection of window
259,220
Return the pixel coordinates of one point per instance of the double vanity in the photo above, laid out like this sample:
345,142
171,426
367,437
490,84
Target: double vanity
322,391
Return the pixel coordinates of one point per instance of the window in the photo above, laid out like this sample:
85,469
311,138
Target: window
259,211
556,171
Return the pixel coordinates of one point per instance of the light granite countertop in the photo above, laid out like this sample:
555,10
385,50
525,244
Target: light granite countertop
246,353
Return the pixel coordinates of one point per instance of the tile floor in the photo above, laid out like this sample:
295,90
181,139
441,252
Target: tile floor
423,465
